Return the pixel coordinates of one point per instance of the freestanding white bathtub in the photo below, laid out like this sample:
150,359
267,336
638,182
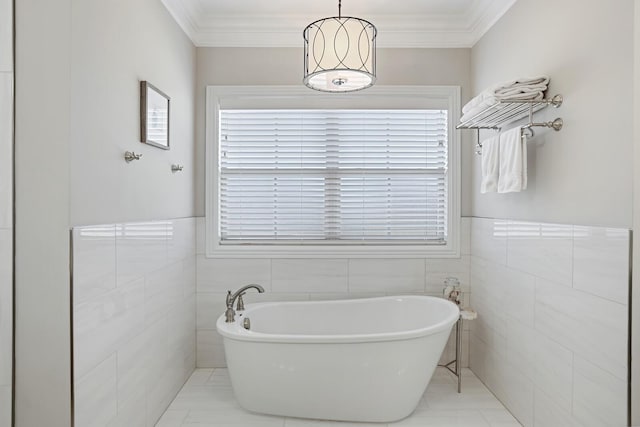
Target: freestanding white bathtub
348,360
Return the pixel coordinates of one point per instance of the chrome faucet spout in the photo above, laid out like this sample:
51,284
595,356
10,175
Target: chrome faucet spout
231,298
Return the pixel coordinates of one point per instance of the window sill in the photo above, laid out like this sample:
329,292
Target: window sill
334,251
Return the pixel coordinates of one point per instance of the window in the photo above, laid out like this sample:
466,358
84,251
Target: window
302,181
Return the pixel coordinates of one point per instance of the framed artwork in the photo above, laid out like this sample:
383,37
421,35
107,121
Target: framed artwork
154,116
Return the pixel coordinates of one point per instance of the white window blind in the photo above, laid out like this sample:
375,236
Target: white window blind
333,176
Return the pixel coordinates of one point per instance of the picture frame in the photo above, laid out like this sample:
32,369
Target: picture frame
154,116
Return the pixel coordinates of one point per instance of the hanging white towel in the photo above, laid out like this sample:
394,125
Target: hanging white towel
513,161
490,164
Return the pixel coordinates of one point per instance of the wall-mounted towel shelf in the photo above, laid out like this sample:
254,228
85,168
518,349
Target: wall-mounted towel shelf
505,112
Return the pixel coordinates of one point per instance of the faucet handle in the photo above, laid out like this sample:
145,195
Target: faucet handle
229,301
240,305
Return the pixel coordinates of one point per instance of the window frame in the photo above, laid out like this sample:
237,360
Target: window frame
446,96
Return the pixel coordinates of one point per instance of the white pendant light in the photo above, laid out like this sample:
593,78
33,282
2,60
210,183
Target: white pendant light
340,54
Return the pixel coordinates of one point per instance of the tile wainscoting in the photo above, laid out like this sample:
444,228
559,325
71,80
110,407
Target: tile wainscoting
551,336
313,279
6,325
134,300
550,340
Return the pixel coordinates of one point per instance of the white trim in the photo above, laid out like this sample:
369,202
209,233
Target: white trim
461,30
185,15
448,94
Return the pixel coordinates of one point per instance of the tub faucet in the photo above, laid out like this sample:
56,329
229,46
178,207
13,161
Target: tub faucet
230,314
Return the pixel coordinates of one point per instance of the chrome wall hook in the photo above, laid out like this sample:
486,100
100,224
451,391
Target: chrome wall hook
176,168
130,155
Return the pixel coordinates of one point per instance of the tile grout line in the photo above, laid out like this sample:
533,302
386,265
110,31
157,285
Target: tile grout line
573,254
506,245
72,378
424,273
573,382
630,329
348,276
115,265
271,274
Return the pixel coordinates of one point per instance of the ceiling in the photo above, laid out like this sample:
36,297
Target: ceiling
279,23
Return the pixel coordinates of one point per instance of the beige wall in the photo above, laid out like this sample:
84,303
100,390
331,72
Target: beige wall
43,125
115,44
283,66
635,295
6,210
77,112
582,174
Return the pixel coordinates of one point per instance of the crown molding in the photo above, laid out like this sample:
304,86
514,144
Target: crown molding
394,31
185,14
482,18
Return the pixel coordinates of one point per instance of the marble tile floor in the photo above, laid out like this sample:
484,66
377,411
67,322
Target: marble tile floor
206,400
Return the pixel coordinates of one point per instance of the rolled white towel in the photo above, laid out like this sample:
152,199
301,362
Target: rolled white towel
521,91
522,82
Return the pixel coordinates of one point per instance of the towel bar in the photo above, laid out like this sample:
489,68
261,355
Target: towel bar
495,116
505,112
522,129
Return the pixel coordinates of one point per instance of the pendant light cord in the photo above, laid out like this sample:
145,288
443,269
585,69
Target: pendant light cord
339,9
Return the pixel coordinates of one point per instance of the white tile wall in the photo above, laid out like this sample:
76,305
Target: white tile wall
601,264
220,275
5,406
304,279
439,269
387,275
309,275
96,395
490,239
142,249
94,260
106,323
598,396
544,250
6,210
134,319
6,250
593,327
6,322
553,374
551,335
548,412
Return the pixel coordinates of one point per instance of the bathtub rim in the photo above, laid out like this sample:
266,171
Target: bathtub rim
235,331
